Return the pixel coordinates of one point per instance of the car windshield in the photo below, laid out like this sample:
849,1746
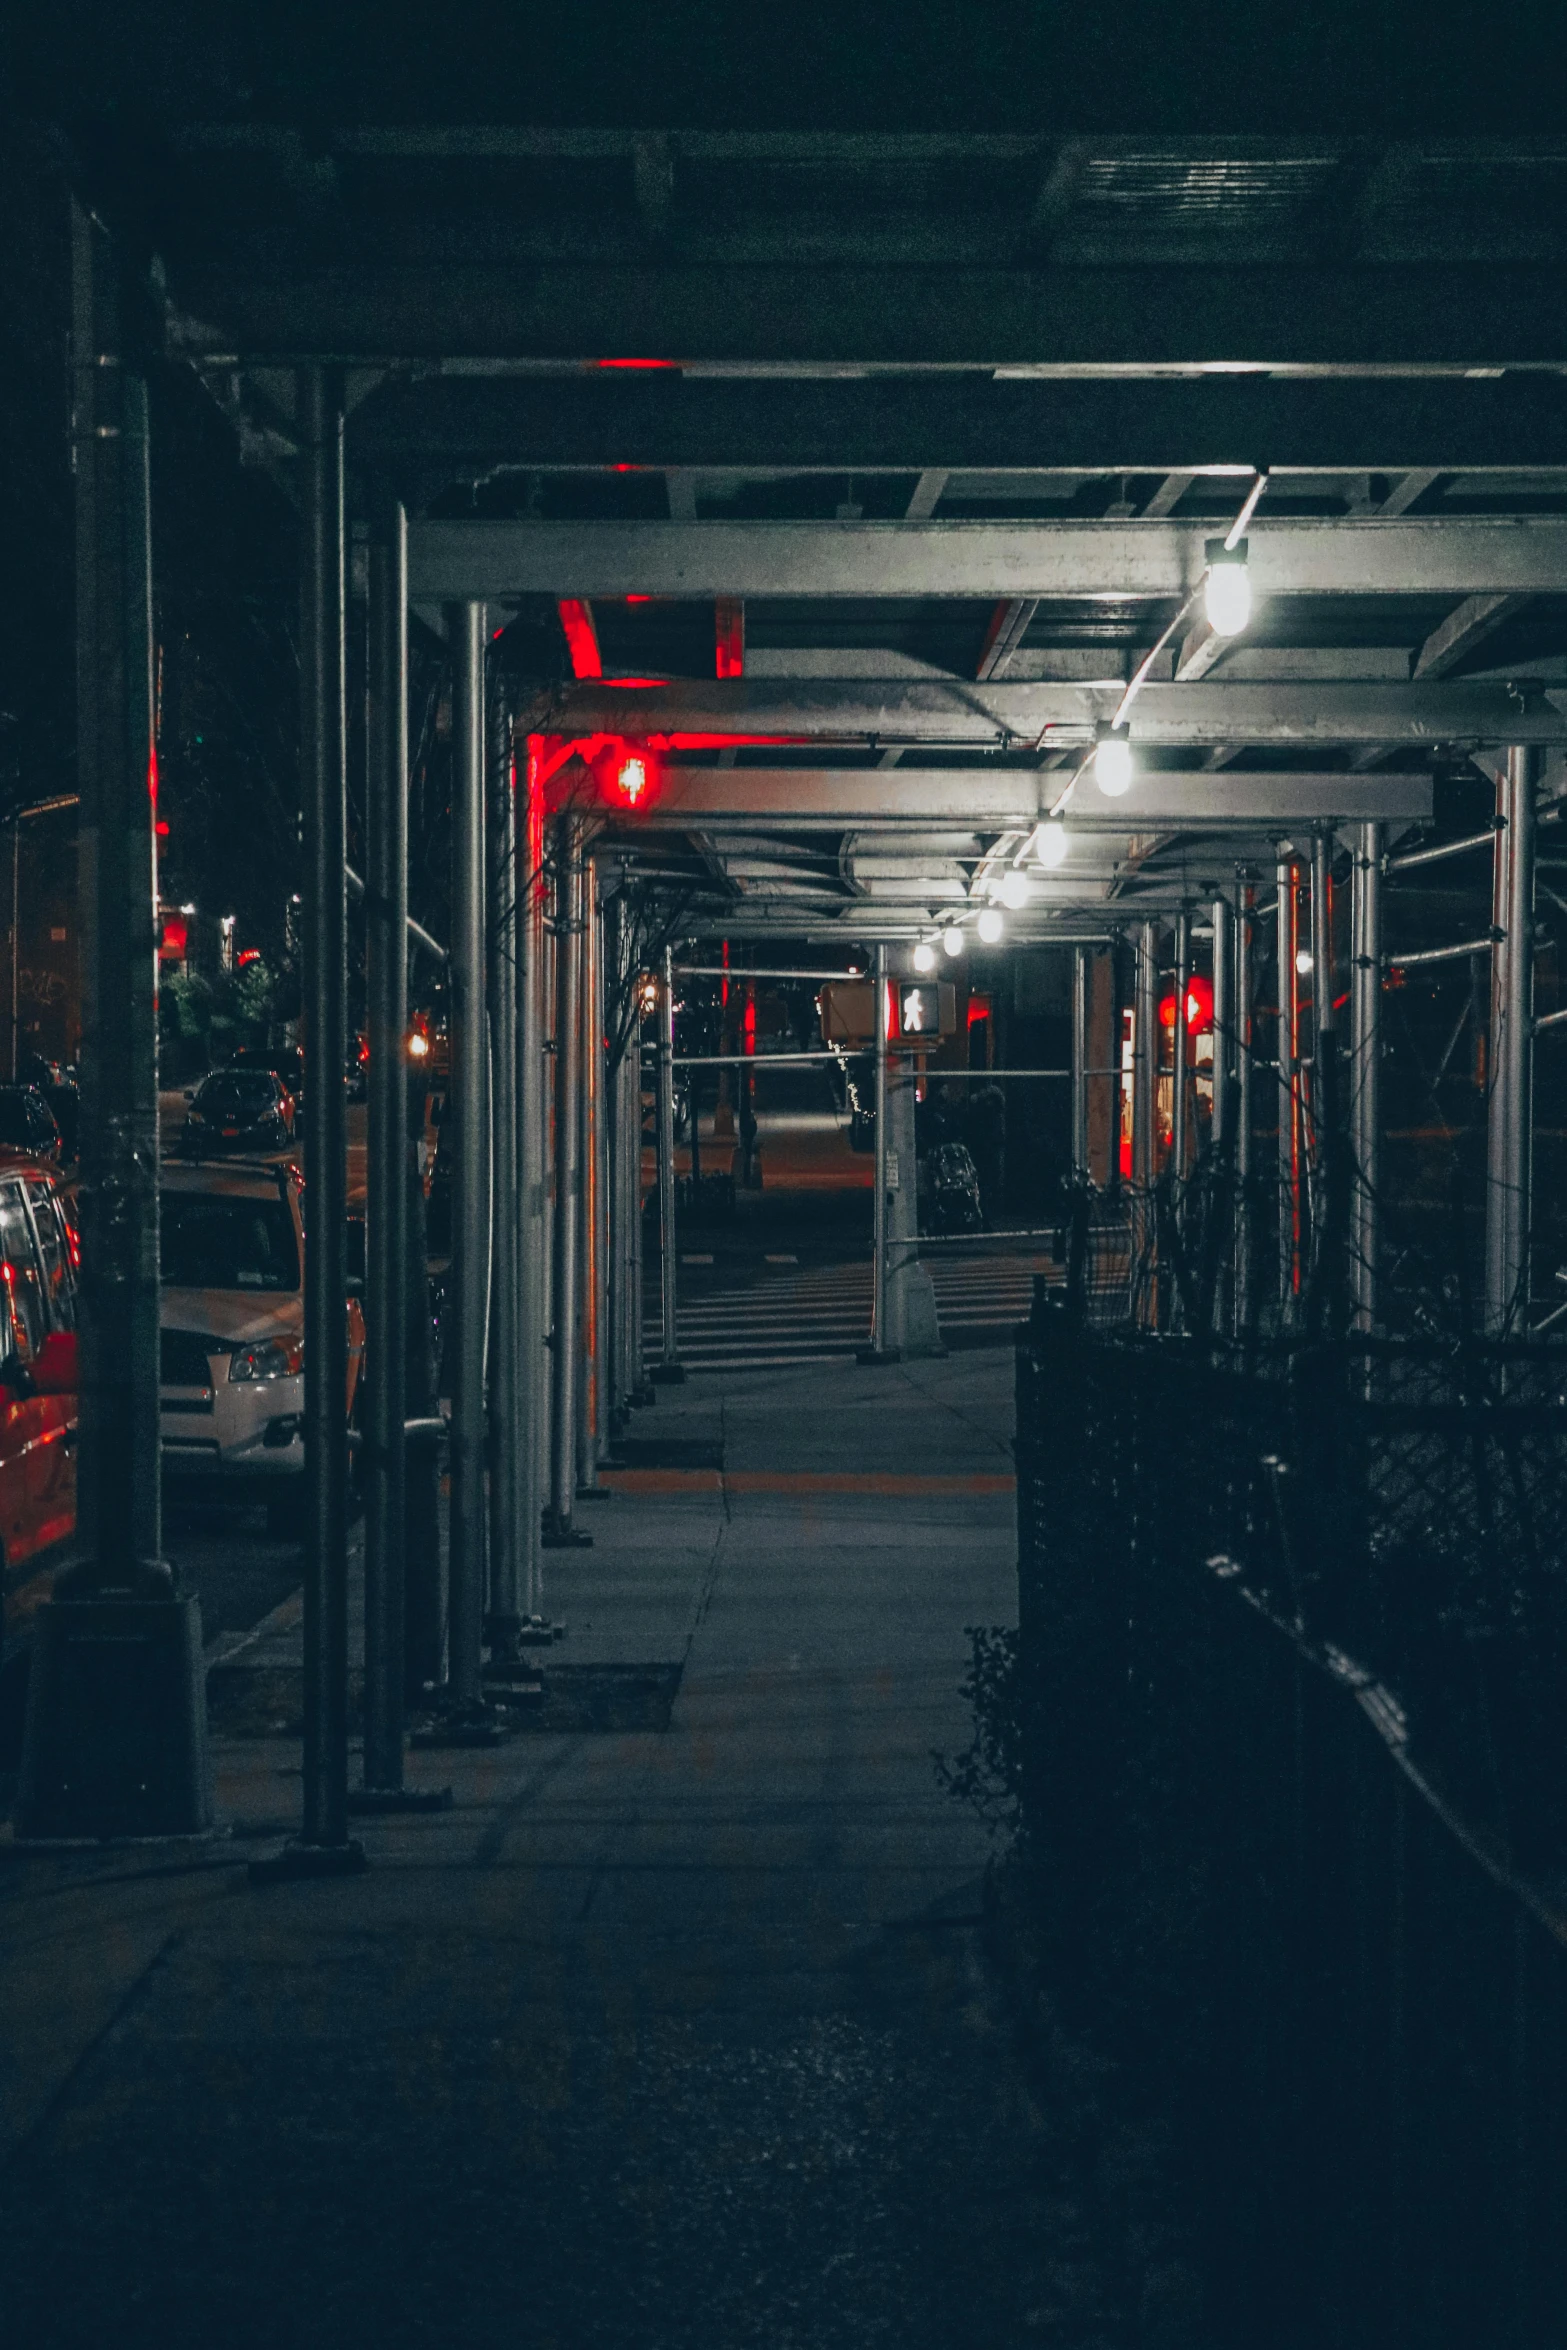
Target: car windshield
212,1241
24,1117
238,1094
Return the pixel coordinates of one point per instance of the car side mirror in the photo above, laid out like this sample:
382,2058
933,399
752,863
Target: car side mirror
55,1369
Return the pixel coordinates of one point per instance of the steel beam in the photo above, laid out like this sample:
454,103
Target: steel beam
467,1108
1370,555
386,1160
1510,1109
995,717
986,799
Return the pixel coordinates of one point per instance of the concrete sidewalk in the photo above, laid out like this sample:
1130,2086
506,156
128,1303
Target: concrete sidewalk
655,2039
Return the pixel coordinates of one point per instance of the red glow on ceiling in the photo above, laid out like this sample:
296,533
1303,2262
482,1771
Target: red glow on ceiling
582,638
666,363
638,599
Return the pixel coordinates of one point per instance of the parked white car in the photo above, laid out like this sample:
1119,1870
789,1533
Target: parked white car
233,1315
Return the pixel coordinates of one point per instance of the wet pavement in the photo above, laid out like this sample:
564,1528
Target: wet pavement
658,2037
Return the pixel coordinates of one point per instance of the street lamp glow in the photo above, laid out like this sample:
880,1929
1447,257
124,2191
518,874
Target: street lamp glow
1052,845
1014,889
924,956
1226,591
990,925
1113,764
952,939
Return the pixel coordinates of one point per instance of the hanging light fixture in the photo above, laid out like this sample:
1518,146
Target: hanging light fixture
1227,588
991,925
1014,889
1114,766
1050,843
952,939
924,956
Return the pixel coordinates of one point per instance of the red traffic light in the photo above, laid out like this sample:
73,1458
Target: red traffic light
631,780
1199,1006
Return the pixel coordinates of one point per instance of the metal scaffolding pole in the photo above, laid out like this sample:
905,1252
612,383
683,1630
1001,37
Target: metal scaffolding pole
590,1356
1179,1141
670,1366
1145,1140
469,1128
532,1104
1080,1060
1287,943
1510,1110
1221,1126
1245,915
116,1734
508,1403
386,1168
1365,1074
564,1334
622,1170
878,1345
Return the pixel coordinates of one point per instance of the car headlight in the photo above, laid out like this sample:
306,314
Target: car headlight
270,1358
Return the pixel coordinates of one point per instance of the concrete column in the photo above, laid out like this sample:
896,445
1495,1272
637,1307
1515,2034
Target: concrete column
1365,1075
1510,1110
386,1169
469,1127
508,1415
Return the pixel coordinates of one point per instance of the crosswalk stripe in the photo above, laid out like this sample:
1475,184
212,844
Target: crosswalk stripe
750,1320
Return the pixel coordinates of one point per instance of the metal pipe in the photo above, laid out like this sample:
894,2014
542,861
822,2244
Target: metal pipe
726,971
323,689
1454,954
1509,1111
1549,1020
416,930
670,1365
507,1415
565,1331
386,1174
1080,1063
879,1207
1365,1075
1245,912
1447,848
533,1266
466,1113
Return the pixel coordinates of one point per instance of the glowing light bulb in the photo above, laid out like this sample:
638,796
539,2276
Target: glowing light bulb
632,780
1303,962
952,939
1052,845
1014,889
924,956
991,925
1226,593
1113,766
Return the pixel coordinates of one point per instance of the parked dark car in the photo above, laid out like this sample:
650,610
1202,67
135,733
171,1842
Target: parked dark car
285,1061
238,1110
28,1124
